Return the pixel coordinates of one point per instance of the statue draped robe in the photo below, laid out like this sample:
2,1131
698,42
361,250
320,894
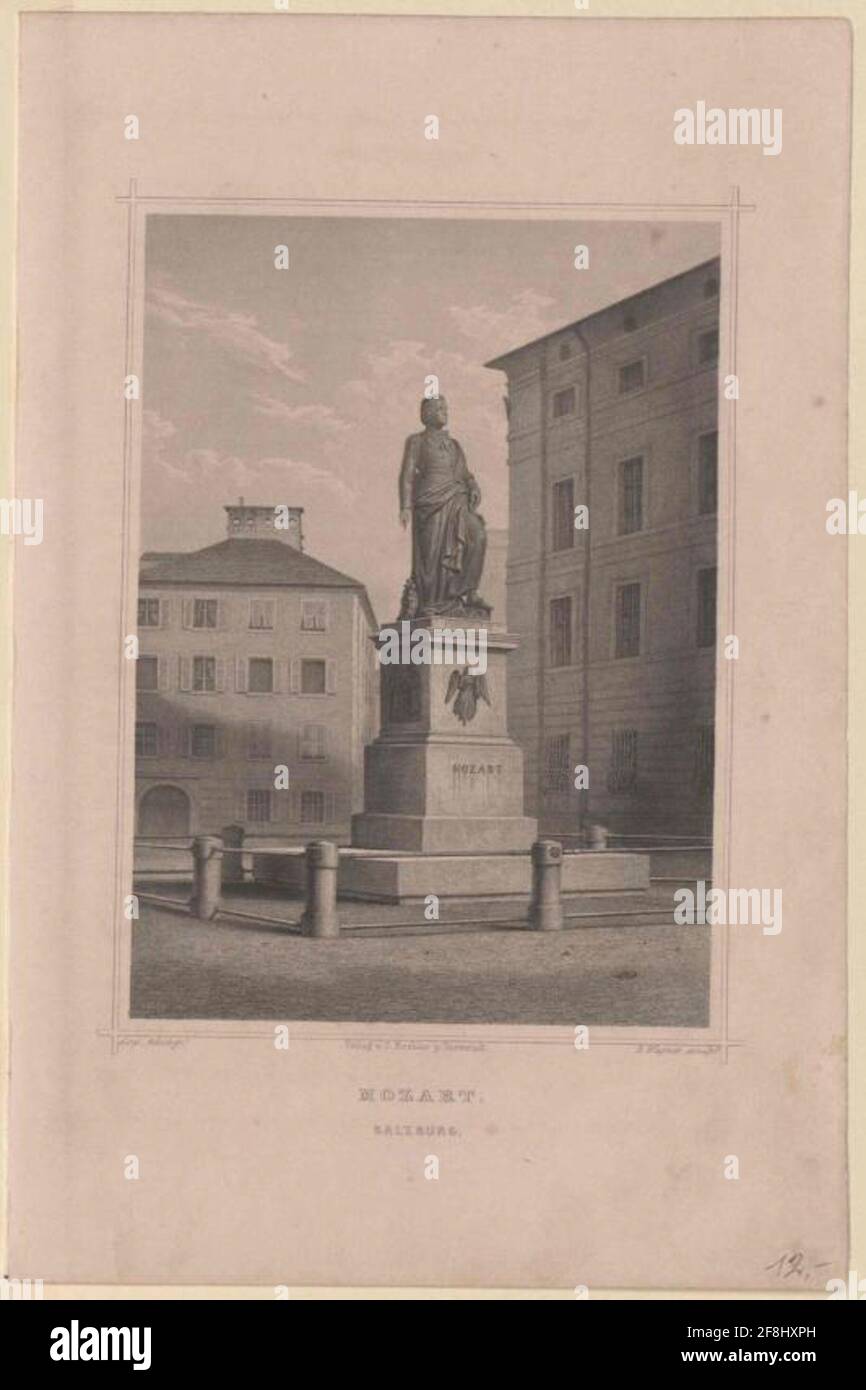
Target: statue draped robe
449,538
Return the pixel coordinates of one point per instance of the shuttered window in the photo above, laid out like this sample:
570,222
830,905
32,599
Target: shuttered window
622,774
631,496
708,473
627,637
561,631
706,634
563,514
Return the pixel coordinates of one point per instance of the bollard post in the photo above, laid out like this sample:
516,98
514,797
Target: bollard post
233,864
207,853
320,917
545,910
598,837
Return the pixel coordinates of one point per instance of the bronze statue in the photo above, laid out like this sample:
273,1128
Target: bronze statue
449,538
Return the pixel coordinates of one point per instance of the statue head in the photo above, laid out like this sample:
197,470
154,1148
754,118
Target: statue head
434,411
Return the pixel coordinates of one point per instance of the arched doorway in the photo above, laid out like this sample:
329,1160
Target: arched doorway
164,811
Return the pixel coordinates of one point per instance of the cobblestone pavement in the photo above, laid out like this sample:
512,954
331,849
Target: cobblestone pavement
622,974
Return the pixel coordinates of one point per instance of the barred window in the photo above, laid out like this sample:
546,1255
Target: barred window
313,741
313,807
146,741
557,763
622,774
202,742
259,805
632,376
560,632
708,472
563,514
627,637
706,635
631,496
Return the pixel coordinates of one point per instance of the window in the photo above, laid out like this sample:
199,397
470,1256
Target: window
628,620
707,607
557,763
259,741
630,496
560,632
708,470
148,612
312,677
314,615
204,673
147,673
708,347
204,612
202,743
260,680
261,612
622,773
259,805
705,755
563,514
629,323
565,350
564,402
146,741
313,741
632,376
313,808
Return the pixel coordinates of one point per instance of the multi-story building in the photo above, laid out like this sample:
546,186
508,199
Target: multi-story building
257,687
615,605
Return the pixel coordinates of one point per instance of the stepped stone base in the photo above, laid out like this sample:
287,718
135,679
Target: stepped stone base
392,878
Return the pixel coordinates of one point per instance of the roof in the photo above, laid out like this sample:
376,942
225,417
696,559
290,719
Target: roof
244,561
607,309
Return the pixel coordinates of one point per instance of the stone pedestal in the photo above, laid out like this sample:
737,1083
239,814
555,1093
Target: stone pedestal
443,791
443,776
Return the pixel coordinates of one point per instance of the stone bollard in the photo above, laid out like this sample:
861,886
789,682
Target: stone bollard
233,864
320,917
597,836
207,851
545,910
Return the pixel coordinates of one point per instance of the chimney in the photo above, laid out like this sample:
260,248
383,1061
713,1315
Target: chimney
278,523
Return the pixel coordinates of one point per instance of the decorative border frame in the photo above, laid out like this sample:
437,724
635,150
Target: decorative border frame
712,1041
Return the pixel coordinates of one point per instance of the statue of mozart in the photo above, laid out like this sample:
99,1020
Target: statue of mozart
440,497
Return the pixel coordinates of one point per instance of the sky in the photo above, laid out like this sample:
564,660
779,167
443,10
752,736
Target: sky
299,386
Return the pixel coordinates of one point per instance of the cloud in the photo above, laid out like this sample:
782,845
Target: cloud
497,329
238,334
313,416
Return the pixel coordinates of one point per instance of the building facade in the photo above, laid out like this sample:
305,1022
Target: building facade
257,687
613,448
